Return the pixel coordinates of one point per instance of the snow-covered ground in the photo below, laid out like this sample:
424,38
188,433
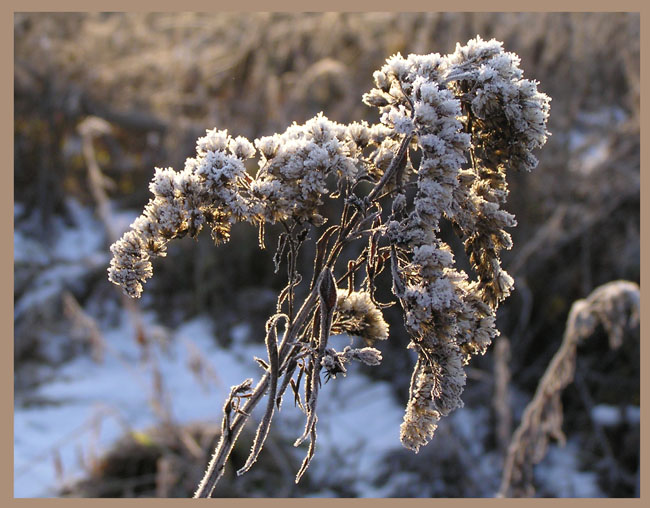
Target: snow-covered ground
560,474
93,404
87,405
588,147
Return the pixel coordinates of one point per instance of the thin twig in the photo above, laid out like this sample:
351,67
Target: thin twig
263,429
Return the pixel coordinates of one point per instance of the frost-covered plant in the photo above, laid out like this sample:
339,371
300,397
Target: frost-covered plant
450,128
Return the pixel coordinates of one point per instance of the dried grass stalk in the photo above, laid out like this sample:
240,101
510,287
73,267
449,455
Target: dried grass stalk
615,305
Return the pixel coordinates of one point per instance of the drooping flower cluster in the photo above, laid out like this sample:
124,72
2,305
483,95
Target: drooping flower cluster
428,286
509,113
204,192
506,116
473,103
214,189
438,382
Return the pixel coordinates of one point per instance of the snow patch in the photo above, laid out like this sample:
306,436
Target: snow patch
559,473
95,404
611,416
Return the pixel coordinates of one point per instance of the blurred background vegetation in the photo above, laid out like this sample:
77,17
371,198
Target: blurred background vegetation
160,80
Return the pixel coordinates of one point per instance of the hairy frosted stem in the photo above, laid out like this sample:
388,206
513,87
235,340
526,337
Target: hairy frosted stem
228,439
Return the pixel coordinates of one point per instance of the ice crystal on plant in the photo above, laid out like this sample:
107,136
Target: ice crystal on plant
293,172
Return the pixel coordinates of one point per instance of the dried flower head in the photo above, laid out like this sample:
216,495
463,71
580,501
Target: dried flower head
293,172
506,117
356,314
438,382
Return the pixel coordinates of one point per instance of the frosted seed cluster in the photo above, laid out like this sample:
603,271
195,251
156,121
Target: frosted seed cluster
295,165
214,189
356,314
205,192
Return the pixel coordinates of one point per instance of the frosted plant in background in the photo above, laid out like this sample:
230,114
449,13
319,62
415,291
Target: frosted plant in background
450,127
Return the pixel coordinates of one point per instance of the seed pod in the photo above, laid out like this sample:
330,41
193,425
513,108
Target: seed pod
327,290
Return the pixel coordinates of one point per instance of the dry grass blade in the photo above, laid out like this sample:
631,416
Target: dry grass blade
320,251
165,476
615,305
310,452
84,326
91,128
327,294
291,368
501,393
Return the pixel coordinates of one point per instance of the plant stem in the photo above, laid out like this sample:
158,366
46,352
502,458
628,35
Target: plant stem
216,467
